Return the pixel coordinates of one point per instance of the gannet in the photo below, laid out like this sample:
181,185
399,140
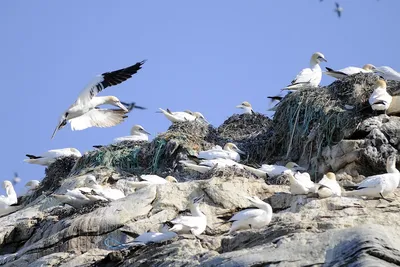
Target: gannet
343,73
204,166
150,179
310,76
155,237
252,218
338,9
273,170
300,183
11,195
195,224
387,73
16,179
380,98
108,193
379,185
32,185
328,186
246,106
78,197
230,151
51,156
84,112
138,133
181,116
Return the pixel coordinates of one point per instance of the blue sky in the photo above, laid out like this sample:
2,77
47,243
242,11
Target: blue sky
206,56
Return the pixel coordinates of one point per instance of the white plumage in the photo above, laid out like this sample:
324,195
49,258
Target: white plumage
206,165
380,99
78,197
328,186
51,156
230,151
387,73
273,170
182,116
300,183
155,237
138,133
151,179
11,196
106,192
345,72
246,106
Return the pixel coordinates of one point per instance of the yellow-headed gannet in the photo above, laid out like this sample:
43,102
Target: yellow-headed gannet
309,76
138,133
387,73
106,192
343,73
155,237
380,99
51,156
252,218
246,106
328,186
150,179
379,185
273,170
84,112
195,224
182,116
204,166
230,151
300,183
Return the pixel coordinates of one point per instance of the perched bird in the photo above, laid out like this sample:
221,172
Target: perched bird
387,73
230,151
195,224
51,156
204,166
380,99
252,218
379,185
32,185
16,179
338,9
182,116
78,197
343,73
247,109
106,192
84,112
11,195
273,170
300,183
309,76
328,186
155,237
150,179
138,133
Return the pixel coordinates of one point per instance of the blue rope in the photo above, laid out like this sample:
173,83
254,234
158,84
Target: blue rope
114,244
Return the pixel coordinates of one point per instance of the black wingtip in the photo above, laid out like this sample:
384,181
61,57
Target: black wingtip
328,69
98,146
32,156
169,224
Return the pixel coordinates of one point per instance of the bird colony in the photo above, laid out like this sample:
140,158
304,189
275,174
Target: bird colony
85,112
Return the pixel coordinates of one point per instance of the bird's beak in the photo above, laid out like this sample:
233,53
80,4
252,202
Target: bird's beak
146,132
298,168
119,104
59,126
323,59
239,106
240,151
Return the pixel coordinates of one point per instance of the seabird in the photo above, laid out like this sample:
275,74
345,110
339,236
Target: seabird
328,186
84,112
230,151
380,99
138,133
32,185
309,76
16,179
204,166
182,116
106,192
273,170
11,196
338,9
343,73
154,237
246,106
151,179
387,73
51,156
300,183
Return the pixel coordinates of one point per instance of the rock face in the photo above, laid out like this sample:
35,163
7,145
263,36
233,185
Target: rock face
304,231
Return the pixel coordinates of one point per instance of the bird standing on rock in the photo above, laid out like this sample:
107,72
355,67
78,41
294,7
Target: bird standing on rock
380,99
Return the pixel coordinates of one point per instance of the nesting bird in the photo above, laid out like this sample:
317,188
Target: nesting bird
387,73
204,166
345,72
51,156
150,179
300,183
309,76
273,170
380,99
155,237
230,151
246,106
138,133
182,116
106,192
328,186
84,112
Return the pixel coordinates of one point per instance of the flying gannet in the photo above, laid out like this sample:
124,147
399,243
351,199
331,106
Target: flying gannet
381,185
195,224
204,166
230,151
150,179
343,73
300,183
51,156
84,112
309,76
252,218
273,170
380,99
387,73
328,186
247,108
182,116
338,9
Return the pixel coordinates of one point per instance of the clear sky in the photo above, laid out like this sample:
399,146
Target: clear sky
206,56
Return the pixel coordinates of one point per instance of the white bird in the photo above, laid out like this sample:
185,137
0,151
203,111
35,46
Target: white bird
300,183
380,99
273,170
32,185
51,156
345,72
328,186
204,166
195,224
79,197
230,151
247,108
338,9
387,73
11,195
106,192
309,76
252,218
150,179
138,133
155,237
84,112
182,116
379,185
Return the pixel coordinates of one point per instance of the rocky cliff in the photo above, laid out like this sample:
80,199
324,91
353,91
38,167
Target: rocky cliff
324,129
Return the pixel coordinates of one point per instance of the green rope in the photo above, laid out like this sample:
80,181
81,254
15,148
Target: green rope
160,145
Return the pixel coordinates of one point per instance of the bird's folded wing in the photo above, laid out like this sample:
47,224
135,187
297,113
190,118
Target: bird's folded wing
98,118
247,214
372,181
304,76
187,221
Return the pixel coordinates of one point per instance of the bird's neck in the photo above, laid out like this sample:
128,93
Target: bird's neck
99,100
314,66
264,206
11,192
391,168
248,110
195,211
